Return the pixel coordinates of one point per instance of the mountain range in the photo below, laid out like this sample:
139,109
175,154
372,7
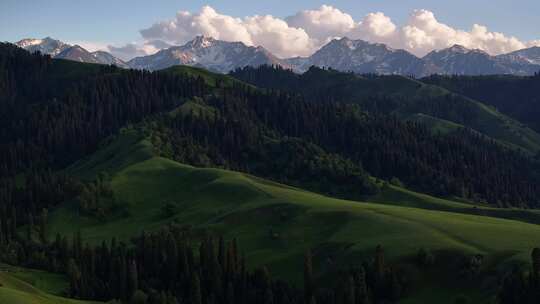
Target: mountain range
341,54
363,57
61,50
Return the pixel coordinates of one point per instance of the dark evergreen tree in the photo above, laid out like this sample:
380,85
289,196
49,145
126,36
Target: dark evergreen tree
308,277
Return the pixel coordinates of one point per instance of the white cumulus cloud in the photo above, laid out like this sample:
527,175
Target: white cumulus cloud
376,27
323,22
133,49
278,37
273,33
306,31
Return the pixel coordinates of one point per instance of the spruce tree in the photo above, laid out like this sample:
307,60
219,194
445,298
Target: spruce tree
351,291
133,279
30,227
43,226
308,277
195,290
380,267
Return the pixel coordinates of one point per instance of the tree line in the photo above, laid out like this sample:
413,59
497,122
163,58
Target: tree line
163,267
175,265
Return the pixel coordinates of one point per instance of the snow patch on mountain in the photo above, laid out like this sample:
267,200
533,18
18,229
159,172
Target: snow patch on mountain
360,57
530,56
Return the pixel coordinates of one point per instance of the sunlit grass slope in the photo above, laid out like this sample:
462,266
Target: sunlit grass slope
276,224
18,286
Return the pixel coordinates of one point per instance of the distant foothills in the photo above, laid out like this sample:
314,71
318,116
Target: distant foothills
343,54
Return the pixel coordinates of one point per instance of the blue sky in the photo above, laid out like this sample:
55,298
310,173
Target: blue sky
119,21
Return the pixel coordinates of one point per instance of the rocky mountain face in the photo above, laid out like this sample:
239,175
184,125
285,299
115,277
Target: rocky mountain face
212,54
458,60
525,56
60,50
363,57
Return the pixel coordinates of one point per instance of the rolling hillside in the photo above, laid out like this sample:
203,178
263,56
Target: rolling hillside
18,286
276,223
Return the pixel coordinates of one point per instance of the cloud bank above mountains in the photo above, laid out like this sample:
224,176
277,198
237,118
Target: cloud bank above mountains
305,32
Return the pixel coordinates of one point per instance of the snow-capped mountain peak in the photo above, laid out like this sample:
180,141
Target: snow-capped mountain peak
202,42
217,55
46,45
77,53
60,50
457,48
29,42
360,56
346,42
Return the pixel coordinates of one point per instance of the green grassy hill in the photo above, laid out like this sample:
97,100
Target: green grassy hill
275,223
392,195
255,210
23,286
